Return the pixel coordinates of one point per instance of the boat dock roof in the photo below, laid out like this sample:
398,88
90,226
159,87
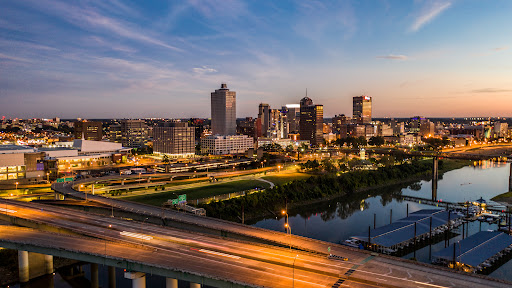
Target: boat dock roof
477,248
402,230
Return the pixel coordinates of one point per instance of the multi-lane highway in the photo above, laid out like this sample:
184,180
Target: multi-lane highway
255,264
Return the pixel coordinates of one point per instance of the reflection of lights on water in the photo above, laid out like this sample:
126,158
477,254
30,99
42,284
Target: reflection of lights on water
361,205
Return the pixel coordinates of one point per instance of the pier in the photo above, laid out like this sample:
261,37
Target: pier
477,253
418,226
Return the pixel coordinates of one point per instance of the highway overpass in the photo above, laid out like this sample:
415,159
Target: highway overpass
362,269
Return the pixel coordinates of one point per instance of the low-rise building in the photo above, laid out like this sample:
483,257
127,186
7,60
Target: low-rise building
226,144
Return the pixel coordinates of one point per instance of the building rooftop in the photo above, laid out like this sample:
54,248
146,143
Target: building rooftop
7,149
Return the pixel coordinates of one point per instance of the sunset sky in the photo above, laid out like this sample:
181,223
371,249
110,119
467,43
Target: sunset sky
128,59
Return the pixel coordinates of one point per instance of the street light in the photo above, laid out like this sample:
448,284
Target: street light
48,177
16,187
288,228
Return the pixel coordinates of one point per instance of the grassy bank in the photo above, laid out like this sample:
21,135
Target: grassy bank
200,192
281,179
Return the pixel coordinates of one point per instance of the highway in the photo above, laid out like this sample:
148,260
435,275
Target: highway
202,254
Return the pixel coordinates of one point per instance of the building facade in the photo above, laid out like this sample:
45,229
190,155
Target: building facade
174,139
223,111
227,144
362,109
88,130
134,133
311,121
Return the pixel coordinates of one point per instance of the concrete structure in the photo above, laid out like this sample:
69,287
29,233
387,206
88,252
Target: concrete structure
500,129
362,109
427,129
292,113
88,130
20,163
222,145
223,107
247,126
134,133
32,265
311,121
264,116
174,139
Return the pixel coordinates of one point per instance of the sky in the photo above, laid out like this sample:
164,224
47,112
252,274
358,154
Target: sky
138,59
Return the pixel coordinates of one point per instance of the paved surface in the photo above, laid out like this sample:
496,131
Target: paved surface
361,267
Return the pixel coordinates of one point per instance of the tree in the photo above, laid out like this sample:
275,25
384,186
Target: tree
377,141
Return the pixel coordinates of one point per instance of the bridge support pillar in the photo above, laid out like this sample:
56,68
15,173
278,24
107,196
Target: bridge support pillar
23,266
111,277
48,264
138,279
171,283
195,285
435,176
95,283
510,179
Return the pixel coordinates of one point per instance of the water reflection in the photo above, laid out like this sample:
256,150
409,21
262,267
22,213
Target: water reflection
338,219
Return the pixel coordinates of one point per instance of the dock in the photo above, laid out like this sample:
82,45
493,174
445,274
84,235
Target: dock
418,226
480,252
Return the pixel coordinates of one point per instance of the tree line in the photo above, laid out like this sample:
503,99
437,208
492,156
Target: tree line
313,188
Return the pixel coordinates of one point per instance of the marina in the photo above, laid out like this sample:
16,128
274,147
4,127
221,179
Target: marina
417,227
477,253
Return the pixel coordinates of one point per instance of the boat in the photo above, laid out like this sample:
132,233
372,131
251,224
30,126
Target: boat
352,243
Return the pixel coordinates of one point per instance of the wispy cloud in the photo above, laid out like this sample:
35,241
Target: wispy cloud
490,90
203,70
8,57
393,57
500,48
91,19
429,12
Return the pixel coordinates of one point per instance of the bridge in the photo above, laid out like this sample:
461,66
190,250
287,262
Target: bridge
201,258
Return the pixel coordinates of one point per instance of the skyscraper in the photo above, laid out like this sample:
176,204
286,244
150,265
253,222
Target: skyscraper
264,116
362,109
223,111
311,121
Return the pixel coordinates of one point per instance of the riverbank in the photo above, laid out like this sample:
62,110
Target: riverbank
323,188
505,198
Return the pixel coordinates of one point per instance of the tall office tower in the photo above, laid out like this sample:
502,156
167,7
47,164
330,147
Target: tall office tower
264,116
311,121
176,139
134,133
223,111
292,112
276,128
89,130
362,109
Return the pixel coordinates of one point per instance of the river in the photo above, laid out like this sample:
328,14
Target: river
338,219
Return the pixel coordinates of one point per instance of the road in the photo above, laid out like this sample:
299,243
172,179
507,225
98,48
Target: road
316,270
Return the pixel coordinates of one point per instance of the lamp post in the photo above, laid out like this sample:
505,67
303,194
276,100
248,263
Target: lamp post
80,189
48,177
287,226
16,187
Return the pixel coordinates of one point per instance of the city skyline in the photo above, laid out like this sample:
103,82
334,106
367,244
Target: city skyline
126,59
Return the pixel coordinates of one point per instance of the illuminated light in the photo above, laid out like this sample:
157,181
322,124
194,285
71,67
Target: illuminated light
7,210
219,254
136,235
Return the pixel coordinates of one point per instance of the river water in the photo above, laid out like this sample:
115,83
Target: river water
338,219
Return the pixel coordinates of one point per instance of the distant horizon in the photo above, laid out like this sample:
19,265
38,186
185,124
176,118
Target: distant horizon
112,59
468,118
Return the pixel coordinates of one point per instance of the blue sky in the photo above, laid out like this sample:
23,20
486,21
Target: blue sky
127,59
